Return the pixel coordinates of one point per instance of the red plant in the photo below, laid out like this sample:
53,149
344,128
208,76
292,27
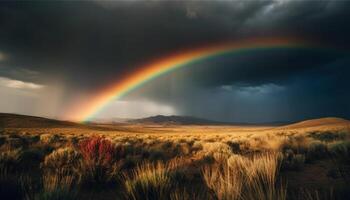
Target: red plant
97,151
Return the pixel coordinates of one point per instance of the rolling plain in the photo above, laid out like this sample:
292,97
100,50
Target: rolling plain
50,159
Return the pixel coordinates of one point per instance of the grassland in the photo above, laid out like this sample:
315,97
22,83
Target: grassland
307,160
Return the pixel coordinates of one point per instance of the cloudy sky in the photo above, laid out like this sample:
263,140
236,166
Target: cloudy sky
54,53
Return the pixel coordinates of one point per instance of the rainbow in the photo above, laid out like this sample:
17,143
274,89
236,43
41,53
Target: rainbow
88,109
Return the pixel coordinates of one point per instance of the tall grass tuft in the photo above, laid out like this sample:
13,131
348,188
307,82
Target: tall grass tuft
13,184
183,194
245,178
224,179
262,176
9,160
59,185
148,181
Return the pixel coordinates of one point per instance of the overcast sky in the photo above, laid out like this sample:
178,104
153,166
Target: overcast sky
53,53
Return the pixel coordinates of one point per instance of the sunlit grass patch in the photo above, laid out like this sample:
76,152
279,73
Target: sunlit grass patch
148,181
245,178
58,185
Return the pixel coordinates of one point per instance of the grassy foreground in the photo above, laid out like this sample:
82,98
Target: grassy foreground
175,162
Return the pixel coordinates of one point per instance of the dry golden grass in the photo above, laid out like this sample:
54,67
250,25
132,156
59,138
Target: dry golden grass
150,133
239,177
148,181
176,162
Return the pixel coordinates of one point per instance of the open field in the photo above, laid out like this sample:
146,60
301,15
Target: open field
43,159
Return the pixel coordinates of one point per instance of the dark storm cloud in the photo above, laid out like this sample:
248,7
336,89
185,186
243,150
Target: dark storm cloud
259,86
86,45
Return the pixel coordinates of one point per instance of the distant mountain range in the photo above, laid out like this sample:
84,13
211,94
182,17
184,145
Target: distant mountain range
188,120
8,120
174,119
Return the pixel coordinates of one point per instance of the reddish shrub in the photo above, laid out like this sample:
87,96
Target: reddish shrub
97,150
100,164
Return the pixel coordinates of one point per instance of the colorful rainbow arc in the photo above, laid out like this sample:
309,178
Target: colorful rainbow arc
85,111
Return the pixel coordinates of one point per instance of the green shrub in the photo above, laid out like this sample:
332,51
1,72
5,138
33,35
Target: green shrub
33,139
235,146
340,153
157,155
64,159
293,161
31,158
9,161
15,142
316,151
298,144
208,159
181,149
44,148
129,162
340,149
127,149
167,145
328,136
73,140
49,138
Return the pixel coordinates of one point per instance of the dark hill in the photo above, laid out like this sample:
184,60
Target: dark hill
8,120
188,120
319,122
176,120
